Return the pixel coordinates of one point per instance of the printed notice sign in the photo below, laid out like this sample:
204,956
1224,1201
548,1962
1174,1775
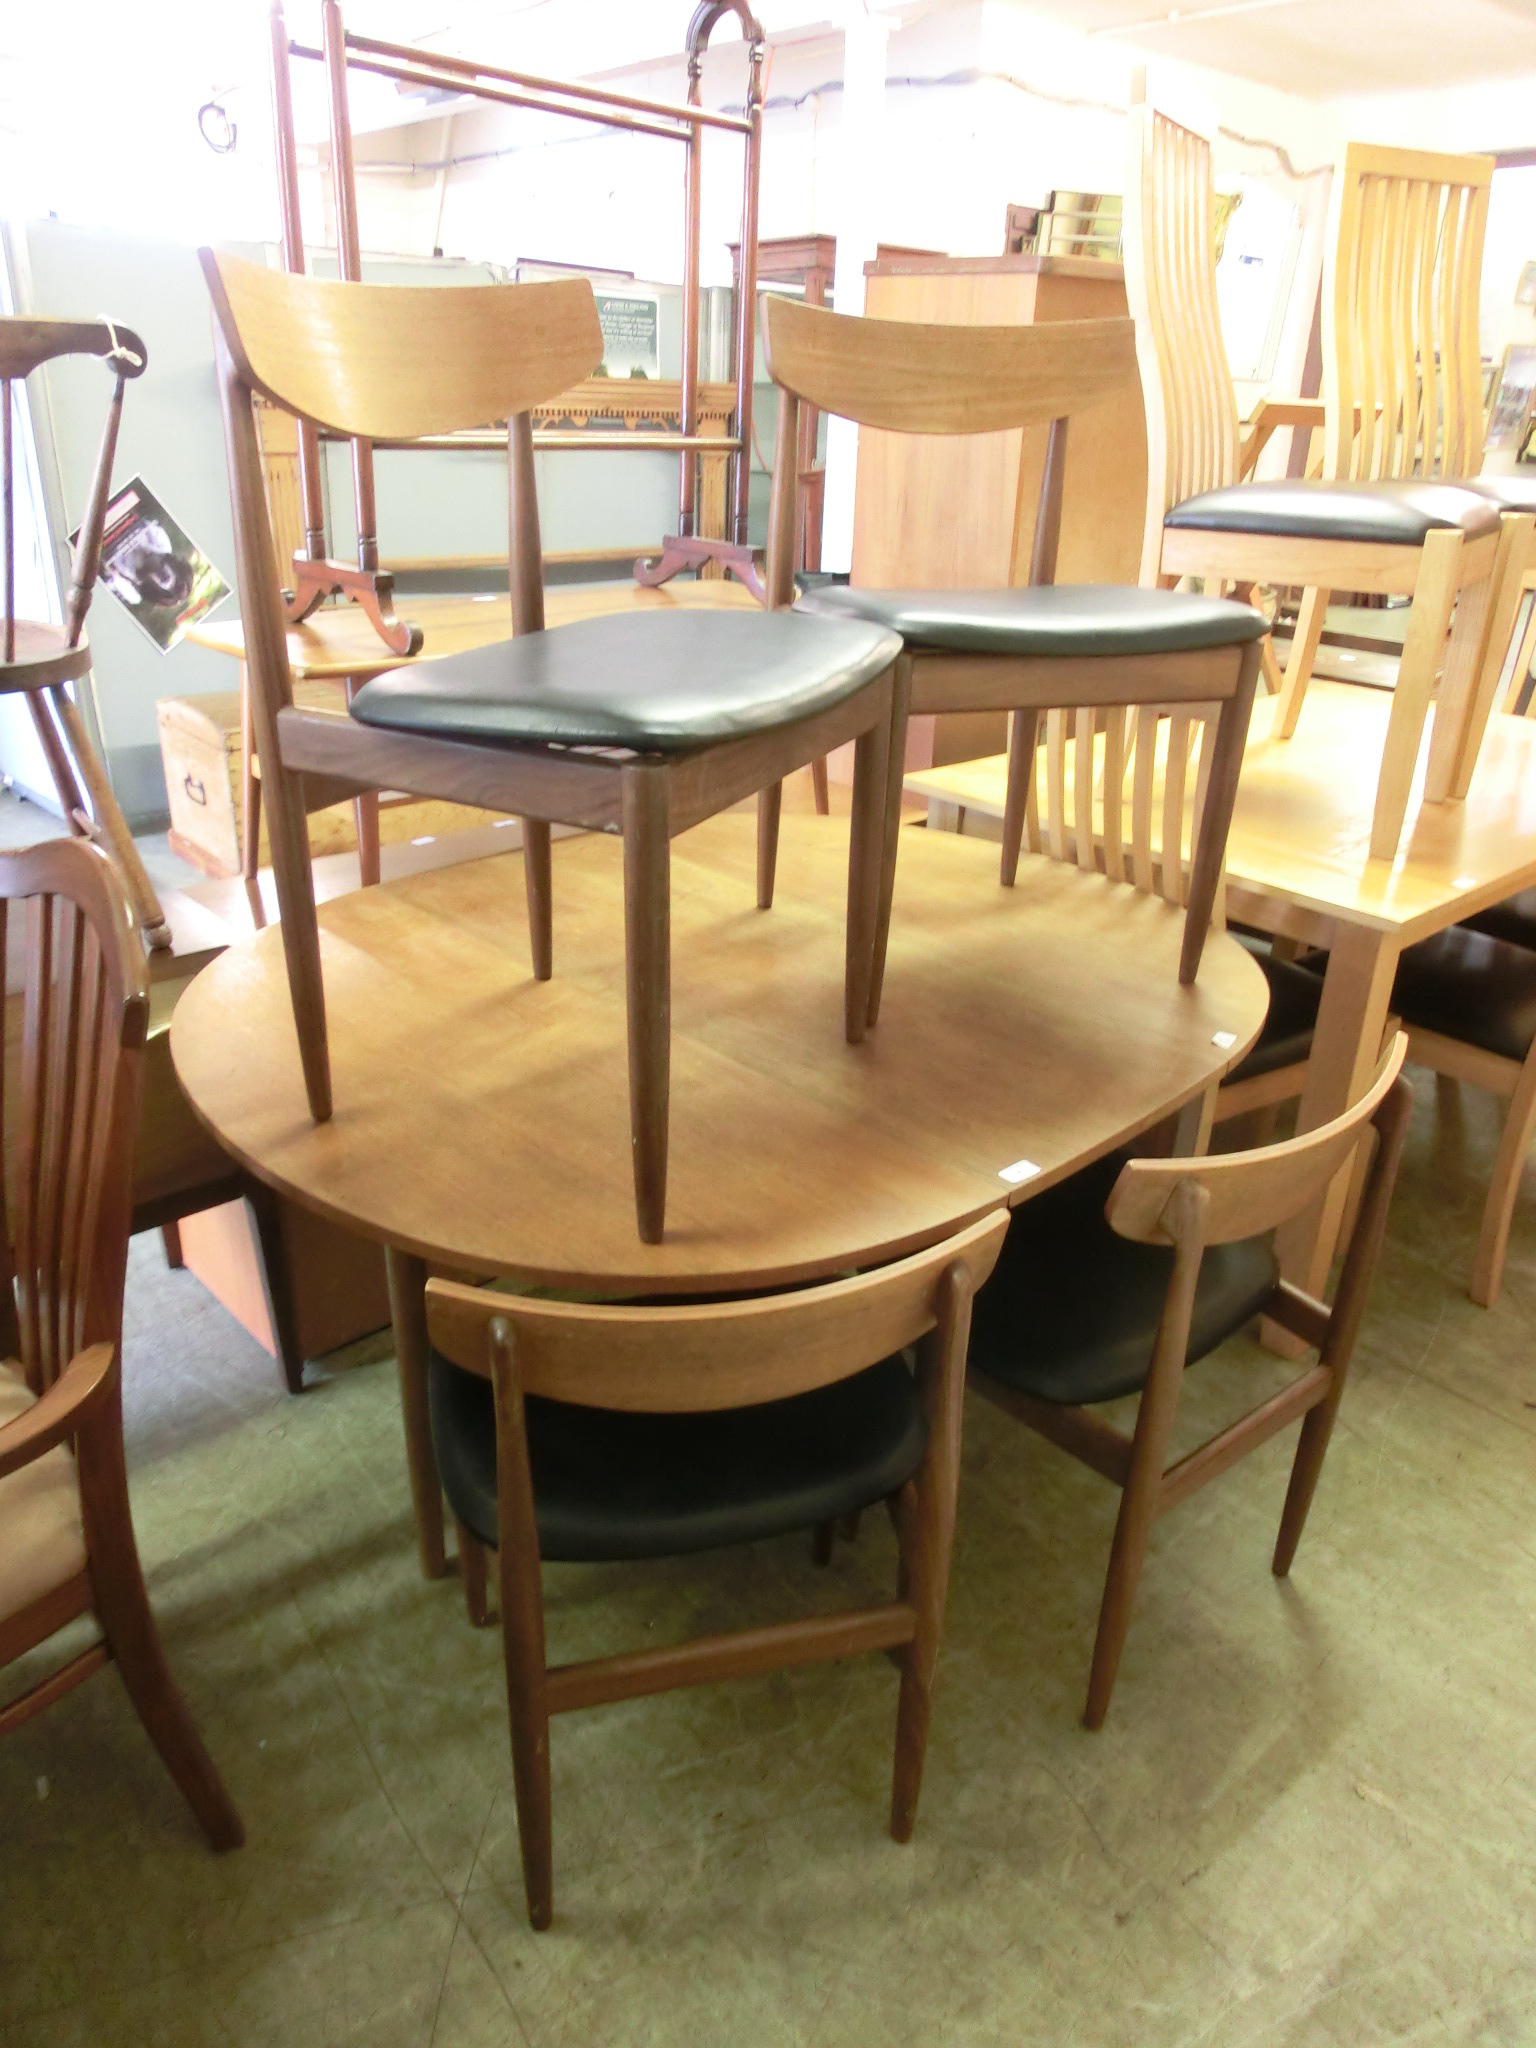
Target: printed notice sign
154,569
631,334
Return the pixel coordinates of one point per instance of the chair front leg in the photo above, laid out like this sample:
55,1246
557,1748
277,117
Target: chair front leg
1216,813
648,971
294,877
901,703
1434,596
1298,669
538,876
866,852
770,802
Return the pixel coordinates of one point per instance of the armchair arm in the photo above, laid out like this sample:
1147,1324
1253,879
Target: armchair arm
69,1402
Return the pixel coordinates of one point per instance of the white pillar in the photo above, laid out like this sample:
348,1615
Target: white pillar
857,226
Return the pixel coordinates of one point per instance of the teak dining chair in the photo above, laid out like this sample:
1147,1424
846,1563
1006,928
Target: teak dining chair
639,724
1041,647
66,1532
566,1430
42,661
1093,1301
1402,414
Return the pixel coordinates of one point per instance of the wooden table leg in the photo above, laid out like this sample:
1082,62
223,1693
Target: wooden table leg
1350,1020
408,1313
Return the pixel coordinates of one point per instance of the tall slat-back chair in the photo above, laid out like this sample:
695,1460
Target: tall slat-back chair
42,660
1115,1282
1019,650
66,1533
608,1433
1382,518
639,724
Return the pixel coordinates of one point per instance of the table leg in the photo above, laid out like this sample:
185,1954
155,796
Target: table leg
1345,1046
408,1313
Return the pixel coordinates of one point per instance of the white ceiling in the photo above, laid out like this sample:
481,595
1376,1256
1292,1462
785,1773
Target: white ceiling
1324,49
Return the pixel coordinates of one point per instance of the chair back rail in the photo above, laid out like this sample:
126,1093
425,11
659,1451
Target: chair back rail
692,1359
1248,1193
1400,315
1170,282
85,1019
396,362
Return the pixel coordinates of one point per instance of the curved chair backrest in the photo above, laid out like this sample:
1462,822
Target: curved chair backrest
734,1354
397,362
1169,246
1400,314
85,1016
1248,1193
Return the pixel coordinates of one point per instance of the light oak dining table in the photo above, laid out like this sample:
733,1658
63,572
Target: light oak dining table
481,1119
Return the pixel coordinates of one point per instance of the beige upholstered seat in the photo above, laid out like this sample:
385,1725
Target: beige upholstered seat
42,1540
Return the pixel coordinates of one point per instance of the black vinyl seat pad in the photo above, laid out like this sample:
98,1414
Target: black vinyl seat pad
1466,985
611,1486
1514,920
1059,620
1509,493
1071,1311
1397,513
1294,994
651,682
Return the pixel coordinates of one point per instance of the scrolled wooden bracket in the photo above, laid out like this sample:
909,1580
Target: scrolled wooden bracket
373,589
686,551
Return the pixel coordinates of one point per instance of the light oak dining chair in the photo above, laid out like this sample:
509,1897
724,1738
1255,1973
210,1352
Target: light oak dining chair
66,1531
1039,648
638,724
600,1433
1402,415
1118,1280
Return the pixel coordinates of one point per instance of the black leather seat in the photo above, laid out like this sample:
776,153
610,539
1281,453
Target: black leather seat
1509,493
1065,620
663,682
1389,514
613,1486
1471,987
1513,920
1070,1314
1294,994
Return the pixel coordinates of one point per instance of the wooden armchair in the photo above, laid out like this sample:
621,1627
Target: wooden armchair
41,660
567,1430
636,725
66,1533
1087,1305
1021,650
1403,413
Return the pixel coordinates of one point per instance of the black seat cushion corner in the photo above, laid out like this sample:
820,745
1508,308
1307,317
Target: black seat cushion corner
1071,1311
1468,986
663,682
1513,920
1294,994
610,1485
1511,493
1393,513
1060,620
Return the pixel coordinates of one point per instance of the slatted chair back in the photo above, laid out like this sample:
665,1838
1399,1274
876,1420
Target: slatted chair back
85,1019
1170,282
1400,314
1116,785
908,377
693,1359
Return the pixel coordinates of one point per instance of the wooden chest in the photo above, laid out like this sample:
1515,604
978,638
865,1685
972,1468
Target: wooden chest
200,753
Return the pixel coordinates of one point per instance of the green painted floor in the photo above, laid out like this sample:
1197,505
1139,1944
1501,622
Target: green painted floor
1311,1818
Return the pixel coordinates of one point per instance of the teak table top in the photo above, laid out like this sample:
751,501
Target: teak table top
482,1118
338,640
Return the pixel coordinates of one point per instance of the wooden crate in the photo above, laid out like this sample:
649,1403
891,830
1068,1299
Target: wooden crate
200,753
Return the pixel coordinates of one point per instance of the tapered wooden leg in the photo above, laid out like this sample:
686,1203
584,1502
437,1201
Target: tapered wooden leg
871,755
1434,596
522,1635
819,787
1306,1469
294,878
122,1607
1298,669
250,787
1504,1188
170,1237
1022,739
648,970
1216,813
770,802
277,1282
407,1277
538,874
901,700
472,1570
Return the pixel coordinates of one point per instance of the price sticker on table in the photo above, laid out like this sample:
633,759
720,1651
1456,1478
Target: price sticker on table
1020,1171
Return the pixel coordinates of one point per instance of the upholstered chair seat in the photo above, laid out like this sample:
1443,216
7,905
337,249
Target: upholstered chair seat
1392,513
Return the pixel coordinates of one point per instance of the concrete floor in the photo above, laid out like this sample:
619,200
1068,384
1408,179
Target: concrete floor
1310,1819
